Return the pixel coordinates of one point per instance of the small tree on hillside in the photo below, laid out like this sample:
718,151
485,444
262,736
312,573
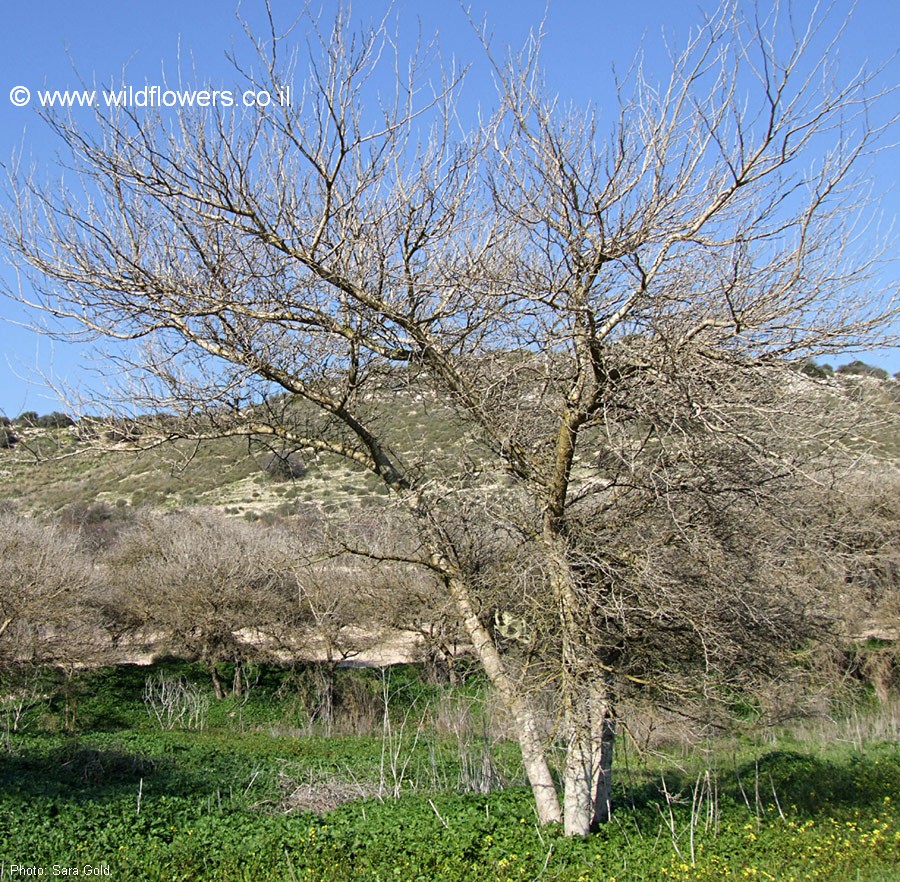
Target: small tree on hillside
602,314
46,595
284,466
211,587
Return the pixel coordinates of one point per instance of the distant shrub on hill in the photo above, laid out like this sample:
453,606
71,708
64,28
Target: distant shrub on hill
32,420
284,466
8,438
818,371
54,420
861,369
27,418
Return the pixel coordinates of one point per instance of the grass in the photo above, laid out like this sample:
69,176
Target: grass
244,799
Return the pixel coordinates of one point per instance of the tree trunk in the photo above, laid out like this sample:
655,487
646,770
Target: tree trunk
528,731
217,683
327,692
578,780
605,720
587,692
534,759
591,733
531,742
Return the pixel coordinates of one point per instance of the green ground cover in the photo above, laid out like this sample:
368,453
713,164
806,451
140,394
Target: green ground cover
243,798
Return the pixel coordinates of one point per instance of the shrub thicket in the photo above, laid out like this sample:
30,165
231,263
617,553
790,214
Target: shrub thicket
815,370
55,420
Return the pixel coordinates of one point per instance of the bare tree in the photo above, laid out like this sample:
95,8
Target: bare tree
207,585
604,321
46,595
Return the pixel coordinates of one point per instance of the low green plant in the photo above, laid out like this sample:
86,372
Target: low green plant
243,799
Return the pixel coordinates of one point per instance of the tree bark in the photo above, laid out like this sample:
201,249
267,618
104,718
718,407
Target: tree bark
216,681
582,689
531,742
577,797
591,734
604,720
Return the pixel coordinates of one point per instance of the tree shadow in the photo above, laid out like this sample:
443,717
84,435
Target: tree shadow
83,772
779,781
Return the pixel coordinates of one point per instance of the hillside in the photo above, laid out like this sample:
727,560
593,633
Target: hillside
51,470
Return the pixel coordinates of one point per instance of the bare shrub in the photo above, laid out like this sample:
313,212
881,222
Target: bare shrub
310,791
47,595
213,588
23,694
175,703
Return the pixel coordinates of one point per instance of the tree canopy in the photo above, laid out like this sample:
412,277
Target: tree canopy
607,312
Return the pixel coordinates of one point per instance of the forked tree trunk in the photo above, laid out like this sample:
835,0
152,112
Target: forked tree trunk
587,694
531,741
587,699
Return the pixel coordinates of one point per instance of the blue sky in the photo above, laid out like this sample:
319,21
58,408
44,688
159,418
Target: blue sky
51,43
